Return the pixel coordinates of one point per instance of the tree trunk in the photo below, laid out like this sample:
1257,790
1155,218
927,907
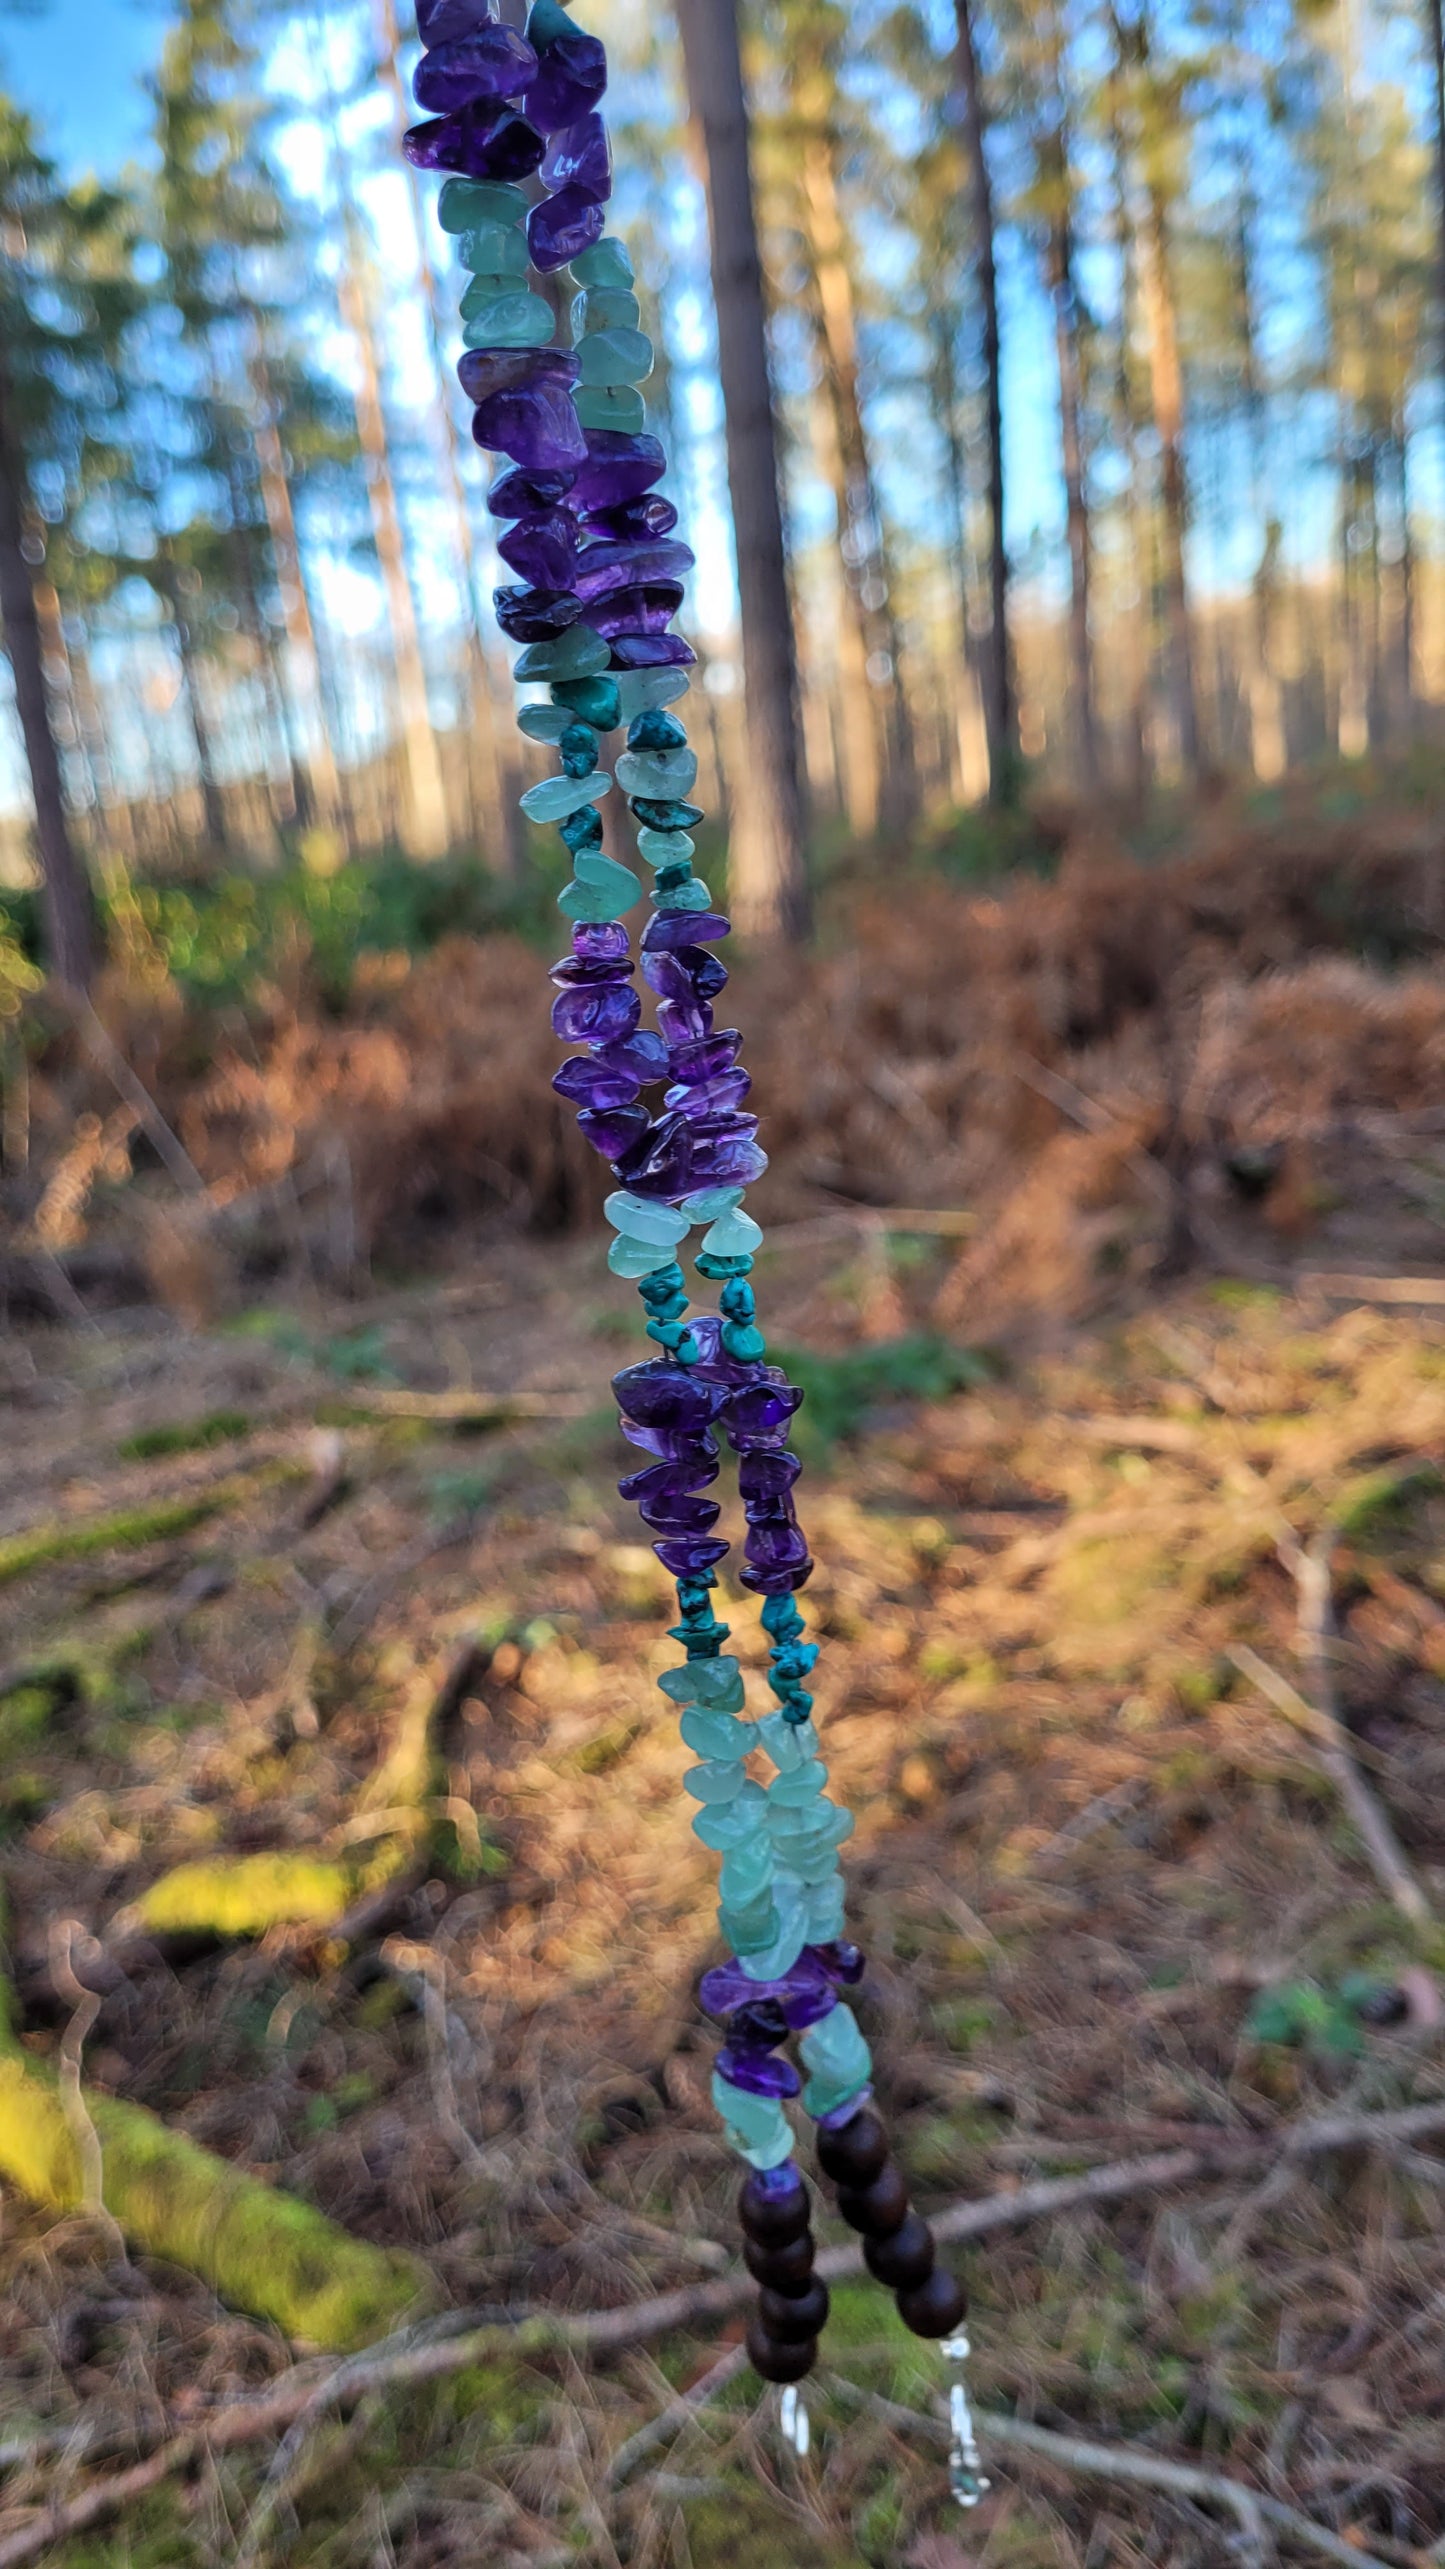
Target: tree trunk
325,784
1435,15
68,903
212,803
1166,383
427,832
1064,292
496,775
998,679
860,521
1436,21
860,750
768,864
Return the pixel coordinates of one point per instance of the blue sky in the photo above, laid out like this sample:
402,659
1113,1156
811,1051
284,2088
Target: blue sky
77,65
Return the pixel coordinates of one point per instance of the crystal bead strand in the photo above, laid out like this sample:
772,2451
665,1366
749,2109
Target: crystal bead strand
599,579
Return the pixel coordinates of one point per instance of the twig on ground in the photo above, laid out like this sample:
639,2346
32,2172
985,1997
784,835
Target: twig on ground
426,2354
104,1049
85,2005
1426,1289
1126,2465
679,2413
1309,1566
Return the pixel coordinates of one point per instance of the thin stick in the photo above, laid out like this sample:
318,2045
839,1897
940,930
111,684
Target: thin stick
1309,1565
678,2414
123,1079
1251,2509
86,2006
432,2353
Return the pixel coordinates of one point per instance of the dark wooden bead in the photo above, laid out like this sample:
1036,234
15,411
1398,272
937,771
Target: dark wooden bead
771,2220
857,2154
790,2317
935,2308
905,2258
777,2362
786,2269
880,2208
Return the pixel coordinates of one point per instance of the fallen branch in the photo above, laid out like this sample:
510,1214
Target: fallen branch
419,2355
1426,1289
1126,2465
1309,1564
678,2414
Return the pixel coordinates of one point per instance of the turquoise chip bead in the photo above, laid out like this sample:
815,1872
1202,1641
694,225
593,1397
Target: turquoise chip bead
811,1862
577,653
466,203
734,1235
610,407
661,775
490,251
606,263
714,1734
510,321
747,1345
686,896
605,307
642,1220
633,1258
546,21
613,357
557,797
750,1931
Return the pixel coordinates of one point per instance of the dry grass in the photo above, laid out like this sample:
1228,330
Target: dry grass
1087,1859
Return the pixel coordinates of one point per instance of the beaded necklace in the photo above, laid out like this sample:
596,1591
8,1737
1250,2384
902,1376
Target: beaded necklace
600,578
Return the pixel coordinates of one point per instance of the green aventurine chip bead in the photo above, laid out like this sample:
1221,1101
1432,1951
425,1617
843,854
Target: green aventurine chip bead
735,1235
640,689
747,1874
615,357
643,1220
728,1824
835,2047
715,1683
666,847
660,775
756,2126
827,1911
491,252
557,796
714,1734
685,896
545,722
592,700
605,307
510,321
794,1792
789,1744
606,263
577,653
719,1780
600,890
466,203
634,1258
616,409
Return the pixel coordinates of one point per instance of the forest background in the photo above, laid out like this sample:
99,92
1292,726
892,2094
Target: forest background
1073,771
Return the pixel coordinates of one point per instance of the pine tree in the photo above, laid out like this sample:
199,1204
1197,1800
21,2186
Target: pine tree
767,872
65,292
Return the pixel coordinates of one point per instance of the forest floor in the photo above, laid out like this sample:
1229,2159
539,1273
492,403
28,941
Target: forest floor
1112,1899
